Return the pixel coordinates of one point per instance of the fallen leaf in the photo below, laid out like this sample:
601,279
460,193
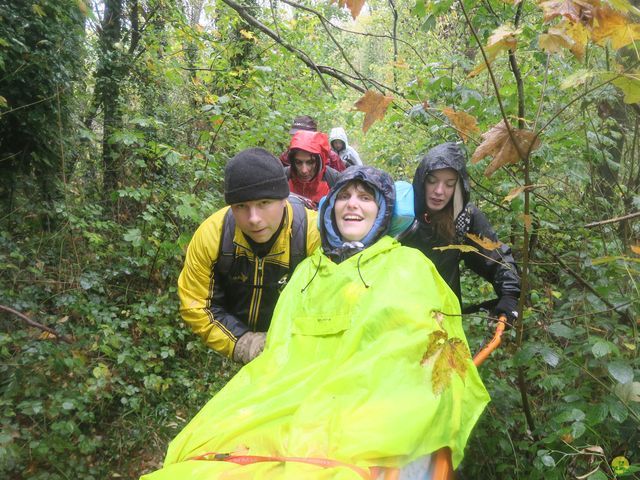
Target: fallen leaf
438,317
465,124
448,355
609,25
354,6
374,105
635,249
497,144
485,243
46,336
502,39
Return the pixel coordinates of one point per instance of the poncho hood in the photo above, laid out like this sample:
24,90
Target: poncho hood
382,183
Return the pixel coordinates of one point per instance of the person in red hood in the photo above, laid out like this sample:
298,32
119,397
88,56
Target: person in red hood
309,175
305,122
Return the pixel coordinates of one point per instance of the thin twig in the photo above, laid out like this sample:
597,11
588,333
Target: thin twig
32,323
613,220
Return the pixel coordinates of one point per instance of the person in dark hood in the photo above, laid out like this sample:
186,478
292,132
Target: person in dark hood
309,175
445,216
305,122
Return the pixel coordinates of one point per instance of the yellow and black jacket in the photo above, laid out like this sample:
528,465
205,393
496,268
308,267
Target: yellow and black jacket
221,299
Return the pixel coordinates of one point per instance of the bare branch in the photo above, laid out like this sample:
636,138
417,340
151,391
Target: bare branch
613,220
32,323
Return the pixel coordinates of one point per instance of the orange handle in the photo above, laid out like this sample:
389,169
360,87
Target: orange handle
482,355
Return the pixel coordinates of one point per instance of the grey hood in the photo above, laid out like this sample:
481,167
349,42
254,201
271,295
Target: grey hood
338,133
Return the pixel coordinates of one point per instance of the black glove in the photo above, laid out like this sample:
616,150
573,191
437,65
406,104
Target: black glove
508,306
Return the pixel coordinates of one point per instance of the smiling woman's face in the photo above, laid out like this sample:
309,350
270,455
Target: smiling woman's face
356,211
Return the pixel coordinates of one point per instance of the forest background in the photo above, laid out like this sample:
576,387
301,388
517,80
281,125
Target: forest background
117,118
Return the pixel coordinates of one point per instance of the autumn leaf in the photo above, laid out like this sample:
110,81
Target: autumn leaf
465,124
448,355
635,249
497,144
502,39
574,10
609,25
374,105
629,84
570,36
354,6
462,248
514,192
485,243
247,34
438,317
526,219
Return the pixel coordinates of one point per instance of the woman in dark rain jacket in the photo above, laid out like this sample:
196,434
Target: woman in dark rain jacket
445,216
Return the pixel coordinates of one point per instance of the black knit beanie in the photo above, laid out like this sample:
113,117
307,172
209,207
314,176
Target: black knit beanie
254,174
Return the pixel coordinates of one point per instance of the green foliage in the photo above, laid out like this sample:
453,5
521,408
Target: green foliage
192,94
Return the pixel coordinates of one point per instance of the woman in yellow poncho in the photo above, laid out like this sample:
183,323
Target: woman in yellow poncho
365,366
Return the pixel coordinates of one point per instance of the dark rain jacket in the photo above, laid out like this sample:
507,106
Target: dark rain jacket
499,268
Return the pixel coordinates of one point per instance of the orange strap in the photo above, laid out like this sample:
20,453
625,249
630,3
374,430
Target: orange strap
366,474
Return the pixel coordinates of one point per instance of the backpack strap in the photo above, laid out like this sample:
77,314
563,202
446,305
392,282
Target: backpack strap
227,248
298,251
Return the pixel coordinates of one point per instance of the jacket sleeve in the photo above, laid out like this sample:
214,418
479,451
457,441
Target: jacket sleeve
355,157
496,266
201,299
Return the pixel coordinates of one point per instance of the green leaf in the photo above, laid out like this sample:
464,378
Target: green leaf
134,236
628,392
600,349
561,330
550,357
3,102
576,79
548,461
622,372
578,429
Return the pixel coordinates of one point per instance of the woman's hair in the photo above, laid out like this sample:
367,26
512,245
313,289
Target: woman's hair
442,222
360,185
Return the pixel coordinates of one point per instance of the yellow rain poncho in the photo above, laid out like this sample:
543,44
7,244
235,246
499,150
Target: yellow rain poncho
366,363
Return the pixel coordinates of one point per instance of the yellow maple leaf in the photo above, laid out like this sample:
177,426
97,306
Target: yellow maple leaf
502,39
465,124
567,35
247,34
609,25
497,144
374,105
354,6
485,243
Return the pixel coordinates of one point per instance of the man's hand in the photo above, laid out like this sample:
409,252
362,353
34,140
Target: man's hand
249,346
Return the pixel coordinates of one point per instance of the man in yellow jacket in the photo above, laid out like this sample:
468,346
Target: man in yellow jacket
241,257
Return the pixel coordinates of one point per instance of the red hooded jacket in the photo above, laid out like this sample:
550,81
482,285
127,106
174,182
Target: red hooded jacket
314,143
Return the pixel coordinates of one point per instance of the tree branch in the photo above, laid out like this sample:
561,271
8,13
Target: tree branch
30,322
613,220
